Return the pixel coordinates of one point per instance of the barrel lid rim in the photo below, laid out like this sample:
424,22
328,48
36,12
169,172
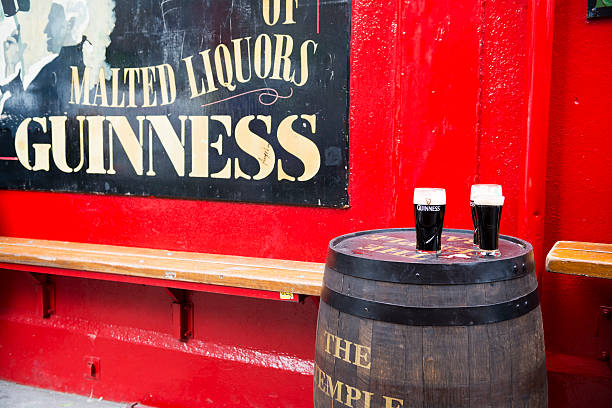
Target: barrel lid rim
425,272
527,247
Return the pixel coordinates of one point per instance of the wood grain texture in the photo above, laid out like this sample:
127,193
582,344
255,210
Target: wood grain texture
242,272
499,364
581,258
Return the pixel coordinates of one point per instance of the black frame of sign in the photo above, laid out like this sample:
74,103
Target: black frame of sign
229,100
594,11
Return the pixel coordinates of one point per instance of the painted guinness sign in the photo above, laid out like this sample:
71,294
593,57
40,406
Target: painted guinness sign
243,100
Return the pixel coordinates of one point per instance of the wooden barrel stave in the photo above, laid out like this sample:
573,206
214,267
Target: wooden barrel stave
498,364
430,295
475,366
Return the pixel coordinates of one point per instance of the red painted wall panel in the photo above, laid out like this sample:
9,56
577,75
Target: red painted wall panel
579,191
437,98
503,103
580,127
437,106
245,352
272,231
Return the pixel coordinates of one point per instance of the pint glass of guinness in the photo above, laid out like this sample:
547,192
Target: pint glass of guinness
429,206
488,211
480,189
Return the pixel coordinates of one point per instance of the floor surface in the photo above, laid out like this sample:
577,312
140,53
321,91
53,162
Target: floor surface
20,396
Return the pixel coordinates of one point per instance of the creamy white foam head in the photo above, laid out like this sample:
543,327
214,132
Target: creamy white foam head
430,196
478,189
489,199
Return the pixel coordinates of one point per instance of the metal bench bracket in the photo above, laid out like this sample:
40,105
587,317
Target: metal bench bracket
46,294
182,314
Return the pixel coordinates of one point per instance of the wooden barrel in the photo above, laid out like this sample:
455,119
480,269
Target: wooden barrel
401,329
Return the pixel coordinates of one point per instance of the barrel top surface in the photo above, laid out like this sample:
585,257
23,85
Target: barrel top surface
390,255
399,245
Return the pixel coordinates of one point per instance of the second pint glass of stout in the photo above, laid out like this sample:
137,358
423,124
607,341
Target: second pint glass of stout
488,211
480,189
429,206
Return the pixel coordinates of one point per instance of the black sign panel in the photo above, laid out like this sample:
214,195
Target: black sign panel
238,100
599,8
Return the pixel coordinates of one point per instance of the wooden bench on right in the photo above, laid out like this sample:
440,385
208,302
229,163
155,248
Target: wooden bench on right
593,260
581,258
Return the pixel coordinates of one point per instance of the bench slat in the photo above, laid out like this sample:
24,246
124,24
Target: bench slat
226,270
581,258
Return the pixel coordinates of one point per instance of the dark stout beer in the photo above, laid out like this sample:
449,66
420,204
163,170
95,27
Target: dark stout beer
429,207
479,189
488,212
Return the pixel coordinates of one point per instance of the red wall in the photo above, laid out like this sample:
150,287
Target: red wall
437,98
580,148
439,94
579,196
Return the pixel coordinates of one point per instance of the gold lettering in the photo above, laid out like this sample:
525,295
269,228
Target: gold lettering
451,238
238,58
101,89
387,250
346,350
372,247
147,87
362,356
377,237
267,56
208,70
226,172
367,400
289,6
227,62
304,62
81,120
282,57
328,337
167,83
41,151
270,19
255,146
58,143
199,146
41,156
131,144
96,145
299,146
170,141
193,86
399,241
115,100
334,390
321,381
133,76
79,88
390,401
352,394
403,252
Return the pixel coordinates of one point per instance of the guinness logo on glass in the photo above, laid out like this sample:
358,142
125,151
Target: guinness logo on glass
428,207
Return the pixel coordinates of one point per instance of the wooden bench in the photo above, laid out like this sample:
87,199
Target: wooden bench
581,258
236,275
595,261
178,272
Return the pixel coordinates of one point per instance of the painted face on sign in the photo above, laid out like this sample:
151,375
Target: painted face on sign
57,28
13,50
